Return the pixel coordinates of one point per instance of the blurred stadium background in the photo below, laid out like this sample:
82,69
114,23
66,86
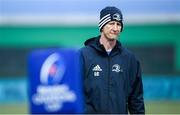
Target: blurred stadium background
152,32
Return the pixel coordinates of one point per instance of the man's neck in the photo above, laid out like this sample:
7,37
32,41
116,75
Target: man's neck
108,44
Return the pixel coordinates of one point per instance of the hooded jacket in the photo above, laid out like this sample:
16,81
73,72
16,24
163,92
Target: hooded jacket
112,82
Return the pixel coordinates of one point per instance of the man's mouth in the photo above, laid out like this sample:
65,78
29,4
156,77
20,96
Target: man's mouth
115,33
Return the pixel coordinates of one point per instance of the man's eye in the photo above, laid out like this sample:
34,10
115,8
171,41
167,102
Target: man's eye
111,23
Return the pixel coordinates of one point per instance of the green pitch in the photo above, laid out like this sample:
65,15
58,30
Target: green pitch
152,107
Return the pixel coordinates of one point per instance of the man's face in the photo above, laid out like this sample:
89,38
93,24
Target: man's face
111,30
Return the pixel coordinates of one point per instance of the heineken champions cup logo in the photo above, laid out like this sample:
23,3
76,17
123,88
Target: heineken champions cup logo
50,92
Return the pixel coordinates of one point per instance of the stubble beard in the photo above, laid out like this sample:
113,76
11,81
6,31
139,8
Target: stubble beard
112,38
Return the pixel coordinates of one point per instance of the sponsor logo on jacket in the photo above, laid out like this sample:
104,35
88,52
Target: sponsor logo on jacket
97,69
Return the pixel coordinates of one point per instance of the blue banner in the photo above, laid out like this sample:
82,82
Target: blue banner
54,81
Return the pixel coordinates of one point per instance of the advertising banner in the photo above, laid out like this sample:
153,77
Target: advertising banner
54,81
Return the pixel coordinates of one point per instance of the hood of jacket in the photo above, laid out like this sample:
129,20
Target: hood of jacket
95,43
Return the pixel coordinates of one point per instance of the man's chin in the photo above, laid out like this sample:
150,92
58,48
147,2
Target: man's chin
112,39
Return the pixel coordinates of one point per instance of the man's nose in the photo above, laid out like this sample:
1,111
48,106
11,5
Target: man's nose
116,27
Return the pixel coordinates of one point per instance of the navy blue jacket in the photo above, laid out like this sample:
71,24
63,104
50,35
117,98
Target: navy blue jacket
112,83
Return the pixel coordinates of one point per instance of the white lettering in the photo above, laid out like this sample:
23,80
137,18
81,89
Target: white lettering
53,96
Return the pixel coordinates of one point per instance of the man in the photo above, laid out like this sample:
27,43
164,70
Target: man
111,73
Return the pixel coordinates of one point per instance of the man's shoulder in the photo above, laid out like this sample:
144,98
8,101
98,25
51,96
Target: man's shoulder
129,53
126,51
85,49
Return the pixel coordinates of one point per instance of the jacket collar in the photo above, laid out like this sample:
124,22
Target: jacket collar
95,43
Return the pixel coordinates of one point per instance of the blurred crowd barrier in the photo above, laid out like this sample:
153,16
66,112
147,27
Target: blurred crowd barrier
161,88
13,90
155,88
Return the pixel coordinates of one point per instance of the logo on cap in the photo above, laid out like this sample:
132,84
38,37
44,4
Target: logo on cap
116,16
